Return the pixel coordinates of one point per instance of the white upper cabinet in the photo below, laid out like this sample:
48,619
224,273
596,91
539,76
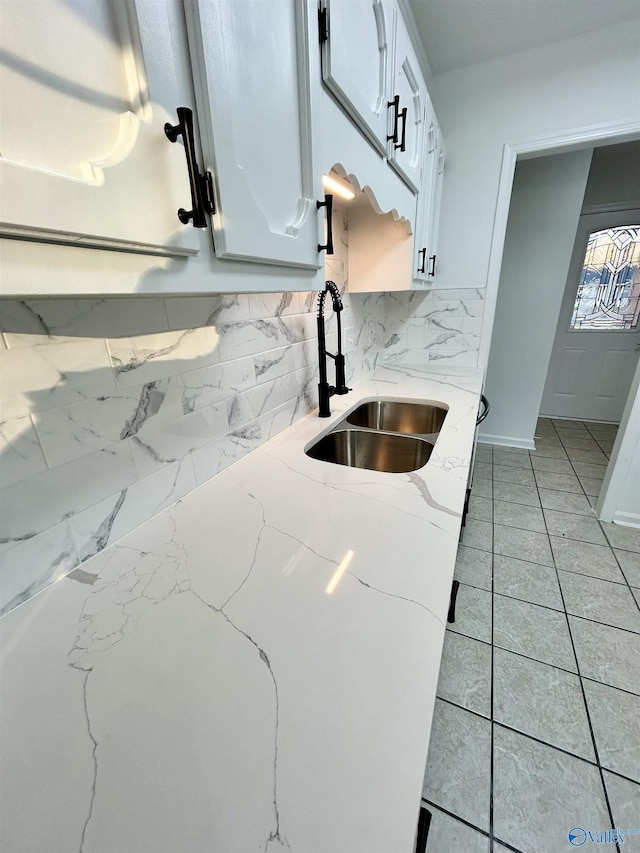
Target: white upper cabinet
356,46
428,201
251,75
408,93
87,86
371,69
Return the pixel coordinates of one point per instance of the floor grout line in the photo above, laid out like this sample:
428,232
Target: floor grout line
548,607
625,582
536,660
606,624
527,735
470,825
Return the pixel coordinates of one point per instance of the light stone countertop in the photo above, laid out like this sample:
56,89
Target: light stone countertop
253,669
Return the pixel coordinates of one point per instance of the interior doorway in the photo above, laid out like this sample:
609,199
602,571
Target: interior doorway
597,339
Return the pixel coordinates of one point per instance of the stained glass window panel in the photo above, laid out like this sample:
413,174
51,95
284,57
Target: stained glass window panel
608,294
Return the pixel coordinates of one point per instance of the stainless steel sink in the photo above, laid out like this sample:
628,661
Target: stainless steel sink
399,416
377,451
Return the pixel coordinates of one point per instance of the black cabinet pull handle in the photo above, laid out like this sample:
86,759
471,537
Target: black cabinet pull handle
403,116
328,203
201,185
485,410
421,266
451,615
432,271
395,103
424,822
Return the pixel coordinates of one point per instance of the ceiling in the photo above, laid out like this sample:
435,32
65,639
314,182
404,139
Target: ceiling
456,33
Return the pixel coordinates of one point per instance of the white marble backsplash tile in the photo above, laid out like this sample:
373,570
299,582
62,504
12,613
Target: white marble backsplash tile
44,321
209,385
282,360
193,312
148,357
273,305
254,336
44,377
20,450
156,447
70,432
112,409
218,455
31,506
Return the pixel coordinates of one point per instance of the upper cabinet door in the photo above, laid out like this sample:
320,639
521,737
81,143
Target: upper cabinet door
436,177
250,64
424,261
428,202
408,86
355,62
87,86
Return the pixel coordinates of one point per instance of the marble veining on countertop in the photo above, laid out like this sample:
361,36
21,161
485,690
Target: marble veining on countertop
253,669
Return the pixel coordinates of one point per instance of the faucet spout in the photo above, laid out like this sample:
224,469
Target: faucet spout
325,391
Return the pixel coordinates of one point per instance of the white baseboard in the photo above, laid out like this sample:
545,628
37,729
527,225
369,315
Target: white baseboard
628,519
506,441
576,418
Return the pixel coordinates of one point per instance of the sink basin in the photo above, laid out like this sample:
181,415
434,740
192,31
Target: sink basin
377,451
399,416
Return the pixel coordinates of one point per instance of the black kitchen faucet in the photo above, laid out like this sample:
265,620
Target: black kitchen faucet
325,391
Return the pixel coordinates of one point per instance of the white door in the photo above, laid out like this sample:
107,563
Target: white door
597,341
86,88
355,62
407,127
251,74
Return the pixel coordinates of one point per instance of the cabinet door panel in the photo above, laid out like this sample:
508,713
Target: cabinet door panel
408,83
84,156
428,201
436,162
355,63
250,66
434,210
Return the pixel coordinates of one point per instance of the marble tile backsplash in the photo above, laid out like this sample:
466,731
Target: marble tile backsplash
112,409
441,326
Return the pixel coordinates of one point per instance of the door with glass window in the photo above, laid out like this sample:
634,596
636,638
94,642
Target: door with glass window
597,340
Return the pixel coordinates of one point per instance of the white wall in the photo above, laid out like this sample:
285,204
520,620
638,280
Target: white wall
615,175
620,496
628,509
590,80
545,208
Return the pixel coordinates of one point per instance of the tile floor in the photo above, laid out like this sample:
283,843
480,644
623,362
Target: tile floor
537,723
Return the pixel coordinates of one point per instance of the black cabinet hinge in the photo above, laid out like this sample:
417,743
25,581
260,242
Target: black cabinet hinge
323,24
